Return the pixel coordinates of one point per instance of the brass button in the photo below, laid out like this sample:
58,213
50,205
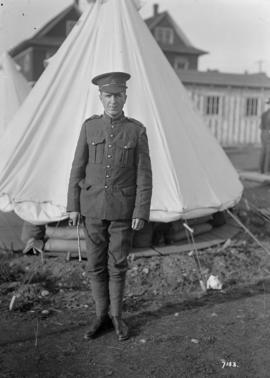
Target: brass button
109,156
112,135
106,186
108,166
125,147
109,145
107,175
93,143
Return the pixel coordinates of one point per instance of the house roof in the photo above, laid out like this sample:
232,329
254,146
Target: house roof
216,78
40,37
47,27
182,49
187,48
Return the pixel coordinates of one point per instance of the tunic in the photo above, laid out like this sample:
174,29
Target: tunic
111,175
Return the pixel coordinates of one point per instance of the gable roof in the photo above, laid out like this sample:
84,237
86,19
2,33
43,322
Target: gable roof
187,48
40,37
50,25
224,79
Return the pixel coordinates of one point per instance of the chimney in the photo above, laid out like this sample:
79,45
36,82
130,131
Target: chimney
155,9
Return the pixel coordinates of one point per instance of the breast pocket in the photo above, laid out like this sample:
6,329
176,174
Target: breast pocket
96,150
125,153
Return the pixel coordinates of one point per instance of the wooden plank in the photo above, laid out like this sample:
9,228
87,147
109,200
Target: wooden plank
254,176
212,238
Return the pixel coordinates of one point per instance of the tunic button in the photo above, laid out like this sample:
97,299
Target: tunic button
125,147
109,145
106,186
107,175
108,166
112,126
109,156
112,135
93,143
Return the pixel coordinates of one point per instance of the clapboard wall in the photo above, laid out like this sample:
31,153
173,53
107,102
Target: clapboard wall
230,123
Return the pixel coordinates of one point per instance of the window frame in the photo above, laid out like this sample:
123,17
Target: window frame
251,106
212,105
180,59
164,35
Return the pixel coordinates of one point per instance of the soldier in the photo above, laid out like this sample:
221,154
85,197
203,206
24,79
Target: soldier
265,140
110,186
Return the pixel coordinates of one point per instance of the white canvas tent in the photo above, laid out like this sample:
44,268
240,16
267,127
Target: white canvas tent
191,174
13,90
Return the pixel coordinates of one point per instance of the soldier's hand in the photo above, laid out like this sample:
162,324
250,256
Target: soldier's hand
74,217
137,224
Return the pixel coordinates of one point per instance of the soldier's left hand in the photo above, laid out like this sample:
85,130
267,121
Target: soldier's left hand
137,224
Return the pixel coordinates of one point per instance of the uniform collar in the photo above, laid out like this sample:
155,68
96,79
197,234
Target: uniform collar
120,118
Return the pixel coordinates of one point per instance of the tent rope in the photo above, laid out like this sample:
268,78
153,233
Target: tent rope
189,233
237,220
79,240
262,214
157,250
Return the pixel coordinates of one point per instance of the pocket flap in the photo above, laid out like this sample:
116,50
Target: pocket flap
126,145
97,140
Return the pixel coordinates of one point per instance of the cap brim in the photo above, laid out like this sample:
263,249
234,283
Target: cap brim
112,89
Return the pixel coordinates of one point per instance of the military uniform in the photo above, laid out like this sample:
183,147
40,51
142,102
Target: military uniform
111,172
265,140
110,183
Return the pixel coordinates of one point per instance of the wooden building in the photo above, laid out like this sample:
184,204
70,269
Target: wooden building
231,104
173,42
31,54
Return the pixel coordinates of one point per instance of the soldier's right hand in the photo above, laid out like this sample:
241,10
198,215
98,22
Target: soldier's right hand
74,217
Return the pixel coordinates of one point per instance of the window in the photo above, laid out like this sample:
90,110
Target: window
251,107
180,63
164,35
69,26
212,105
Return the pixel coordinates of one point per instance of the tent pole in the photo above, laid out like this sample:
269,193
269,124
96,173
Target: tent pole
237,220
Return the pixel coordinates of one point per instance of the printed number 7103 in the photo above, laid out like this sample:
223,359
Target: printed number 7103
228,364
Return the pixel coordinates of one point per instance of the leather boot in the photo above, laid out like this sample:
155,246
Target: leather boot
100,293
121,328
116,288
100,324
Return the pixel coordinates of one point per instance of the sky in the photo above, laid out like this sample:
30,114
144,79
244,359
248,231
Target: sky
235,33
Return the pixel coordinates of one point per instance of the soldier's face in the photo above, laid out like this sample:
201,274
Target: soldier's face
113,103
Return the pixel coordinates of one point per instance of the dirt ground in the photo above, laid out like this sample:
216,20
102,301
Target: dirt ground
177,329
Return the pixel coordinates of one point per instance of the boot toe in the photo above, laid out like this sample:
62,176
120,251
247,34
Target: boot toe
99,325
121,329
